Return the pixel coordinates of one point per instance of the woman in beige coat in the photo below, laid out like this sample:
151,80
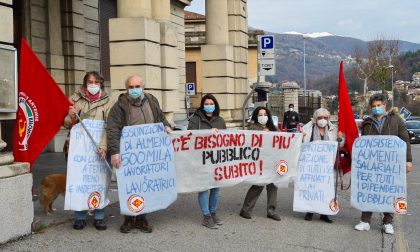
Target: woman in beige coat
90,102
321,128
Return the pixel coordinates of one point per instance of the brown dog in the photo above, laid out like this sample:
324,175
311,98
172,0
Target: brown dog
51,186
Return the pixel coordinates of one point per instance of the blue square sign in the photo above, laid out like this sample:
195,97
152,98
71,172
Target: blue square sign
267,42
190,88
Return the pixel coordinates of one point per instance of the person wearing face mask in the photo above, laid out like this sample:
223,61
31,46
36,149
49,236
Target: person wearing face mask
382,122
207,117
132,108
320,128
89,102
291,119
262,120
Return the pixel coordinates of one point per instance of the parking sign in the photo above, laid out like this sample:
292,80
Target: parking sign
190,87
266,47
267,42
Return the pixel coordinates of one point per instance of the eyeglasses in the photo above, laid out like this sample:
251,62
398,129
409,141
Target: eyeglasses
136,86
322,117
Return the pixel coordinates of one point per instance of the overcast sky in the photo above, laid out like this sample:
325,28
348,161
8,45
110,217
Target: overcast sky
363,19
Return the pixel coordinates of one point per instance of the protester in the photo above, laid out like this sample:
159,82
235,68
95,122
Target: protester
261,120
134,107
90,102
384,123
321,128
207,117
291,119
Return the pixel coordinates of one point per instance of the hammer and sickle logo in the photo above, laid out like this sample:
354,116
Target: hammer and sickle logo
22,128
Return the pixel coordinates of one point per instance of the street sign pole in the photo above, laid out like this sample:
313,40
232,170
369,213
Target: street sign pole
266,65
254,86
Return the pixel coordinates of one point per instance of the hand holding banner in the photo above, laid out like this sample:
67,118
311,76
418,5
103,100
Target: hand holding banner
207,159
314,185
146,177
378,174
87,175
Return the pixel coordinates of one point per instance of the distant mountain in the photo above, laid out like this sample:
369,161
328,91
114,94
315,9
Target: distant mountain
323,54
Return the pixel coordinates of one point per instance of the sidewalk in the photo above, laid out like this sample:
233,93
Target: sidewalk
179,227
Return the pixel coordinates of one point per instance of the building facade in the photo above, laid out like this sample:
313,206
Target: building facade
118,38
217,55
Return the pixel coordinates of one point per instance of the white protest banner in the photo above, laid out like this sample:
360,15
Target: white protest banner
378,174
314,184
87,175
146,178
209,159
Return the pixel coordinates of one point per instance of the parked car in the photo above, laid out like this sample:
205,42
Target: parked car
413,118
181,124
413,128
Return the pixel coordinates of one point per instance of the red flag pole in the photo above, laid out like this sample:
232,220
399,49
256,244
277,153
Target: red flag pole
42,107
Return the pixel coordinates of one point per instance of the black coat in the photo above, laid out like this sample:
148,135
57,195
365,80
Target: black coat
199,121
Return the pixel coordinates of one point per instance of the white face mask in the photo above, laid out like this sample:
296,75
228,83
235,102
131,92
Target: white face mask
262,120
290,109
93,89
322,123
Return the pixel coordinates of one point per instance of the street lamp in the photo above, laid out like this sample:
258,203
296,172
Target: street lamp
392,83
304,69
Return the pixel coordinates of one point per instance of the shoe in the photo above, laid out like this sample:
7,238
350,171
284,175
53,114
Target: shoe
79,224
127,225
99,225
245,215
142,224
362,226
388,228
326,218
216,219
308,216
208,222
274,216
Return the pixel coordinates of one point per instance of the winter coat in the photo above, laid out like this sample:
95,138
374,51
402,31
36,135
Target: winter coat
392,125
96,110
331,132
290,119
119,117
257,126
199,121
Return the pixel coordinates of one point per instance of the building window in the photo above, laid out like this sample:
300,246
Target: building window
107,10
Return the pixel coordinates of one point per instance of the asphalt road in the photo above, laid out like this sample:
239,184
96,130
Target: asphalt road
178,228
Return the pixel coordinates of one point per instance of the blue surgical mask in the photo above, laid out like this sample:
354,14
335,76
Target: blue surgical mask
209,108
135,92
378,110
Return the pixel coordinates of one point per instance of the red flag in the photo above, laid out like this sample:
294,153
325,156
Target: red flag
42,107
346,123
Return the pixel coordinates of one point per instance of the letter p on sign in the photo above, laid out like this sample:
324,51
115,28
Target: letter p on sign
267,42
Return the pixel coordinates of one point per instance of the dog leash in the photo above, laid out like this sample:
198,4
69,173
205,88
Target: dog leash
93,141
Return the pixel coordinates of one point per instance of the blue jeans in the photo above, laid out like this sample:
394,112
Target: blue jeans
208,204
99,214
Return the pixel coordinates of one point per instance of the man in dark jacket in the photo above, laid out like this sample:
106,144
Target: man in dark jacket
132,108
291,119
383,123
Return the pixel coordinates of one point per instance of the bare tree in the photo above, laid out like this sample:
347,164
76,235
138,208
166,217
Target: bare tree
386,53
372,64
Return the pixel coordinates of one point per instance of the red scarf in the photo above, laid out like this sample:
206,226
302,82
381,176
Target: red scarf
91,97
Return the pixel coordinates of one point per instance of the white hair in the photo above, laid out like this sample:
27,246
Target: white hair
320,112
